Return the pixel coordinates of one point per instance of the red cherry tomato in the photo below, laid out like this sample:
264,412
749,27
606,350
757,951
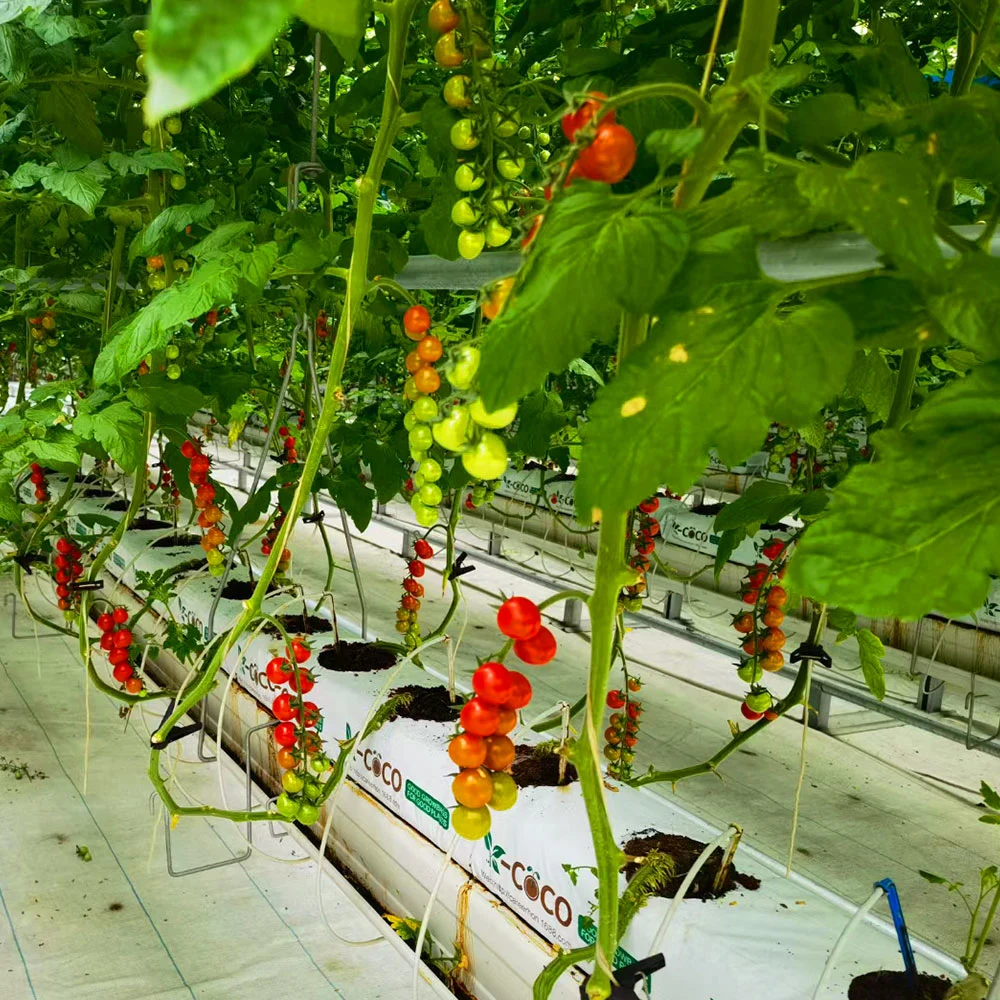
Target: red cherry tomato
123,638
281,707
519,618
650,506
520,691
611,155
305,683
479,717
117,656
122,672
423,549
416,319
492,683
574,121
538,650
279,671
133,685
416,567
773,548
120,615
749,713
189,449
284,734
300,651
615,699
507,722
105,622
108,641
634,709
64,544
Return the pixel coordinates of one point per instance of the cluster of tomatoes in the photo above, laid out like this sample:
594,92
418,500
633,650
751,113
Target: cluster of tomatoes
622,733
481,493
67,568
322,325
116,641
43,329
210,514
39,481
407,622
297,735
155,277
645,529
291,454
167,484
489,134
483,750
762,628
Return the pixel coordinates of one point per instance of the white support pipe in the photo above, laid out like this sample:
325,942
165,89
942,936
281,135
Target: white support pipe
863,910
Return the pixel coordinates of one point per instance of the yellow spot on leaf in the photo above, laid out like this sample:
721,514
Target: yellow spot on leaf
678,354
596,514
924,335
633,406
903,201
174,820
705,311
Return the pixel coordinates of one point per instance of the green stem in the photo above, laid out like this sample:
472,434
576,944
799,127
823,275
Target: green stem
20,259
962,82
116,262
561,964
985,929
902,398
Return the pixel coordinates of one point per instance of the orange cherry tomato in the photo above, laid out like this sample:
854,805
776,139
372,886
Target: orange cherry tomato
499,752
776,597
473,788
774,640
446,51
416,322
442,17
429,349
744,623
508,721
773,617
772,660
467,750
286,758
427,380
413,362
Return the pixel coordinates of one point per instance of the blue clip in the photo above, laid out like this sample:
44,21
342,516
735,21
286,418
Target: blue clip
902,934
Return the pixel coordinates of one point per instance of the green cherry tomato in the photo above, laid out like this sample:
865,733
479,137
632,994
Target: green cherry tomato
286,806
313,790
510,167
470,244
452,432
173,372
426,516
464,213
463,134
499,202
420,438
216,570
751,672
320,764
292,782
425,409
760,701
418,480
307,813
497,234
417,455
471,824
464,367
543,138
466,179
214,558
506,124
172,352
141,39
495,420
410,420
504,791
456,91
487,459
431,470
178,182
140,63
173,126
430,494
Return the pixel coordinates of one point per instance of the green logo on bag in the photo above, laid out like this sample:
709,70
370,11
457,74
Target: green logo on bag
427,803
587,930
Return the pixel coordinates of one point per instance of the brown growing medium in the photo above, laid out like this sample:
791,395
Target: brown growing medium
684,851
356,658
241,590
534,768
894,986
177,541
427,704
300,625
143,523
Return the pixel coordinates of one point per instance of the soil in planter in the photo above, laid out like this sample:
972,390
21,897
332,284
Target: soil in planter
242,590
428,704
95,492
117,505
538,769
685,852
177,541
893,986
300,625
707,509
356,658
143,523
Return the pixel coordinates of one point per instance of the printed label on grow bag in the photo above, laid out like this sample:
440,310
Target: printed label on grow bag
426,803
587,930
529,485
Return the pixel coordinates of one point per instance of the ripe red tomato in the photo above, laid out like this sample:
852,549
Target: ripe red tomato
479,717
62,591
611,155
492,683
750,596
122,672
467,750
410,603
412,587
281,707
519,618
416,568
575,120
427,380
105,622
771,715
757,575
773,548
499,753
133,685
751,646
743,623
776,597
538,650
310,714
520,691
615,699
634,709
123,638
305,682
64,545
423,549
284,734
108,641
650,506
645,547
117,656
300,651
279,671
749,713
416,320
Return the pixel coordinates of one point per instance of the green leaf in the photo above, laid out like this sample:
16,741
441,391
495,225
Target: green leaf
171,221
9,128
223,237
887,197
29,173
54,29
118,429
344,21
871,382
78,186
9,9
919,530
827,117
969,309
354,498
580,367
71,110
539,417
762,502
145,161
387,469
937,879
84,302
844,621
729,541
886,312
197,48
59,449
696,385
13,65
163,395
990,797
254,508
871,650
10,506
595,256
673,145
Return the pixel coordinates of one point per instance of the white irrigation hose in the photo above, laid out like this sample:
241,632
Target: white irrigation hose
419,947
863,910
328,825
675,905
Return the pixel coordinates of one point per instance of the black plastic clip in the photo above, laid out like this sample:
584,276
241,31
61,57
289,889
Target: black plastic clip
27,559
458,569
318,518
807,651
175,734
629,976
87,585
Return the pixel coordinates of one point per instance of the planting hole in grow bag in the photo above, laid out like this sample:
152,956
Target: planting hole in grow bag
144,523
117,505
178,541
894,986
427,704
538,767
242,590
97,492
356,658
684,852
301,625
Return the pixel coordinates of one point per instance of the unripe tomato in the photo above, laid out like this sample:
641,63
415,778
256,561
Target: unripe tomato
416,322
497,234
510,167
307,813
479,717
286,758
612,736
464,367
430,469
472,788
178,182
286,805
452,432
487,458
292,782
456,91
520,692
493,419
504,792
470,244
446,51
471,824
430,495
421,438
538,650
467,751
610,157
519,618
173,125
412,362
468,179
492,683
505,123
464,213
442,17
499,752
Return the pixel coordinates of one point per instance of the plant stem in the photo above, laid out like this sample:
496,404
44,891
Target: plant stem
902,398
962,82
113,271
985,929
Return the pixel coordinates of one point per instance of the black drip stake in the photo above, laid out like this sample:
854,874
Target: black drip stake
175,734
628,977
810,652
458,568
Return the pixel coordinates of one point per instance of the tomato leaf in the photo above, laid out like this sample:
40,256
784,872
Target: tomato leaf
168,223
762,502
354,498
13,64
197,48
595,256
9,9
710,361
871,651
81,187
387,469
118,429
344,21
969,310
990,797
253,509
919,530
165,396
71,110
871,382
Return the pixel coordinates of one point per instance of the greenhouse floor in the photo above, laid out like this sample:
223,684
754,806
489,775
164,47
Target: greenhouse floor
117,926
